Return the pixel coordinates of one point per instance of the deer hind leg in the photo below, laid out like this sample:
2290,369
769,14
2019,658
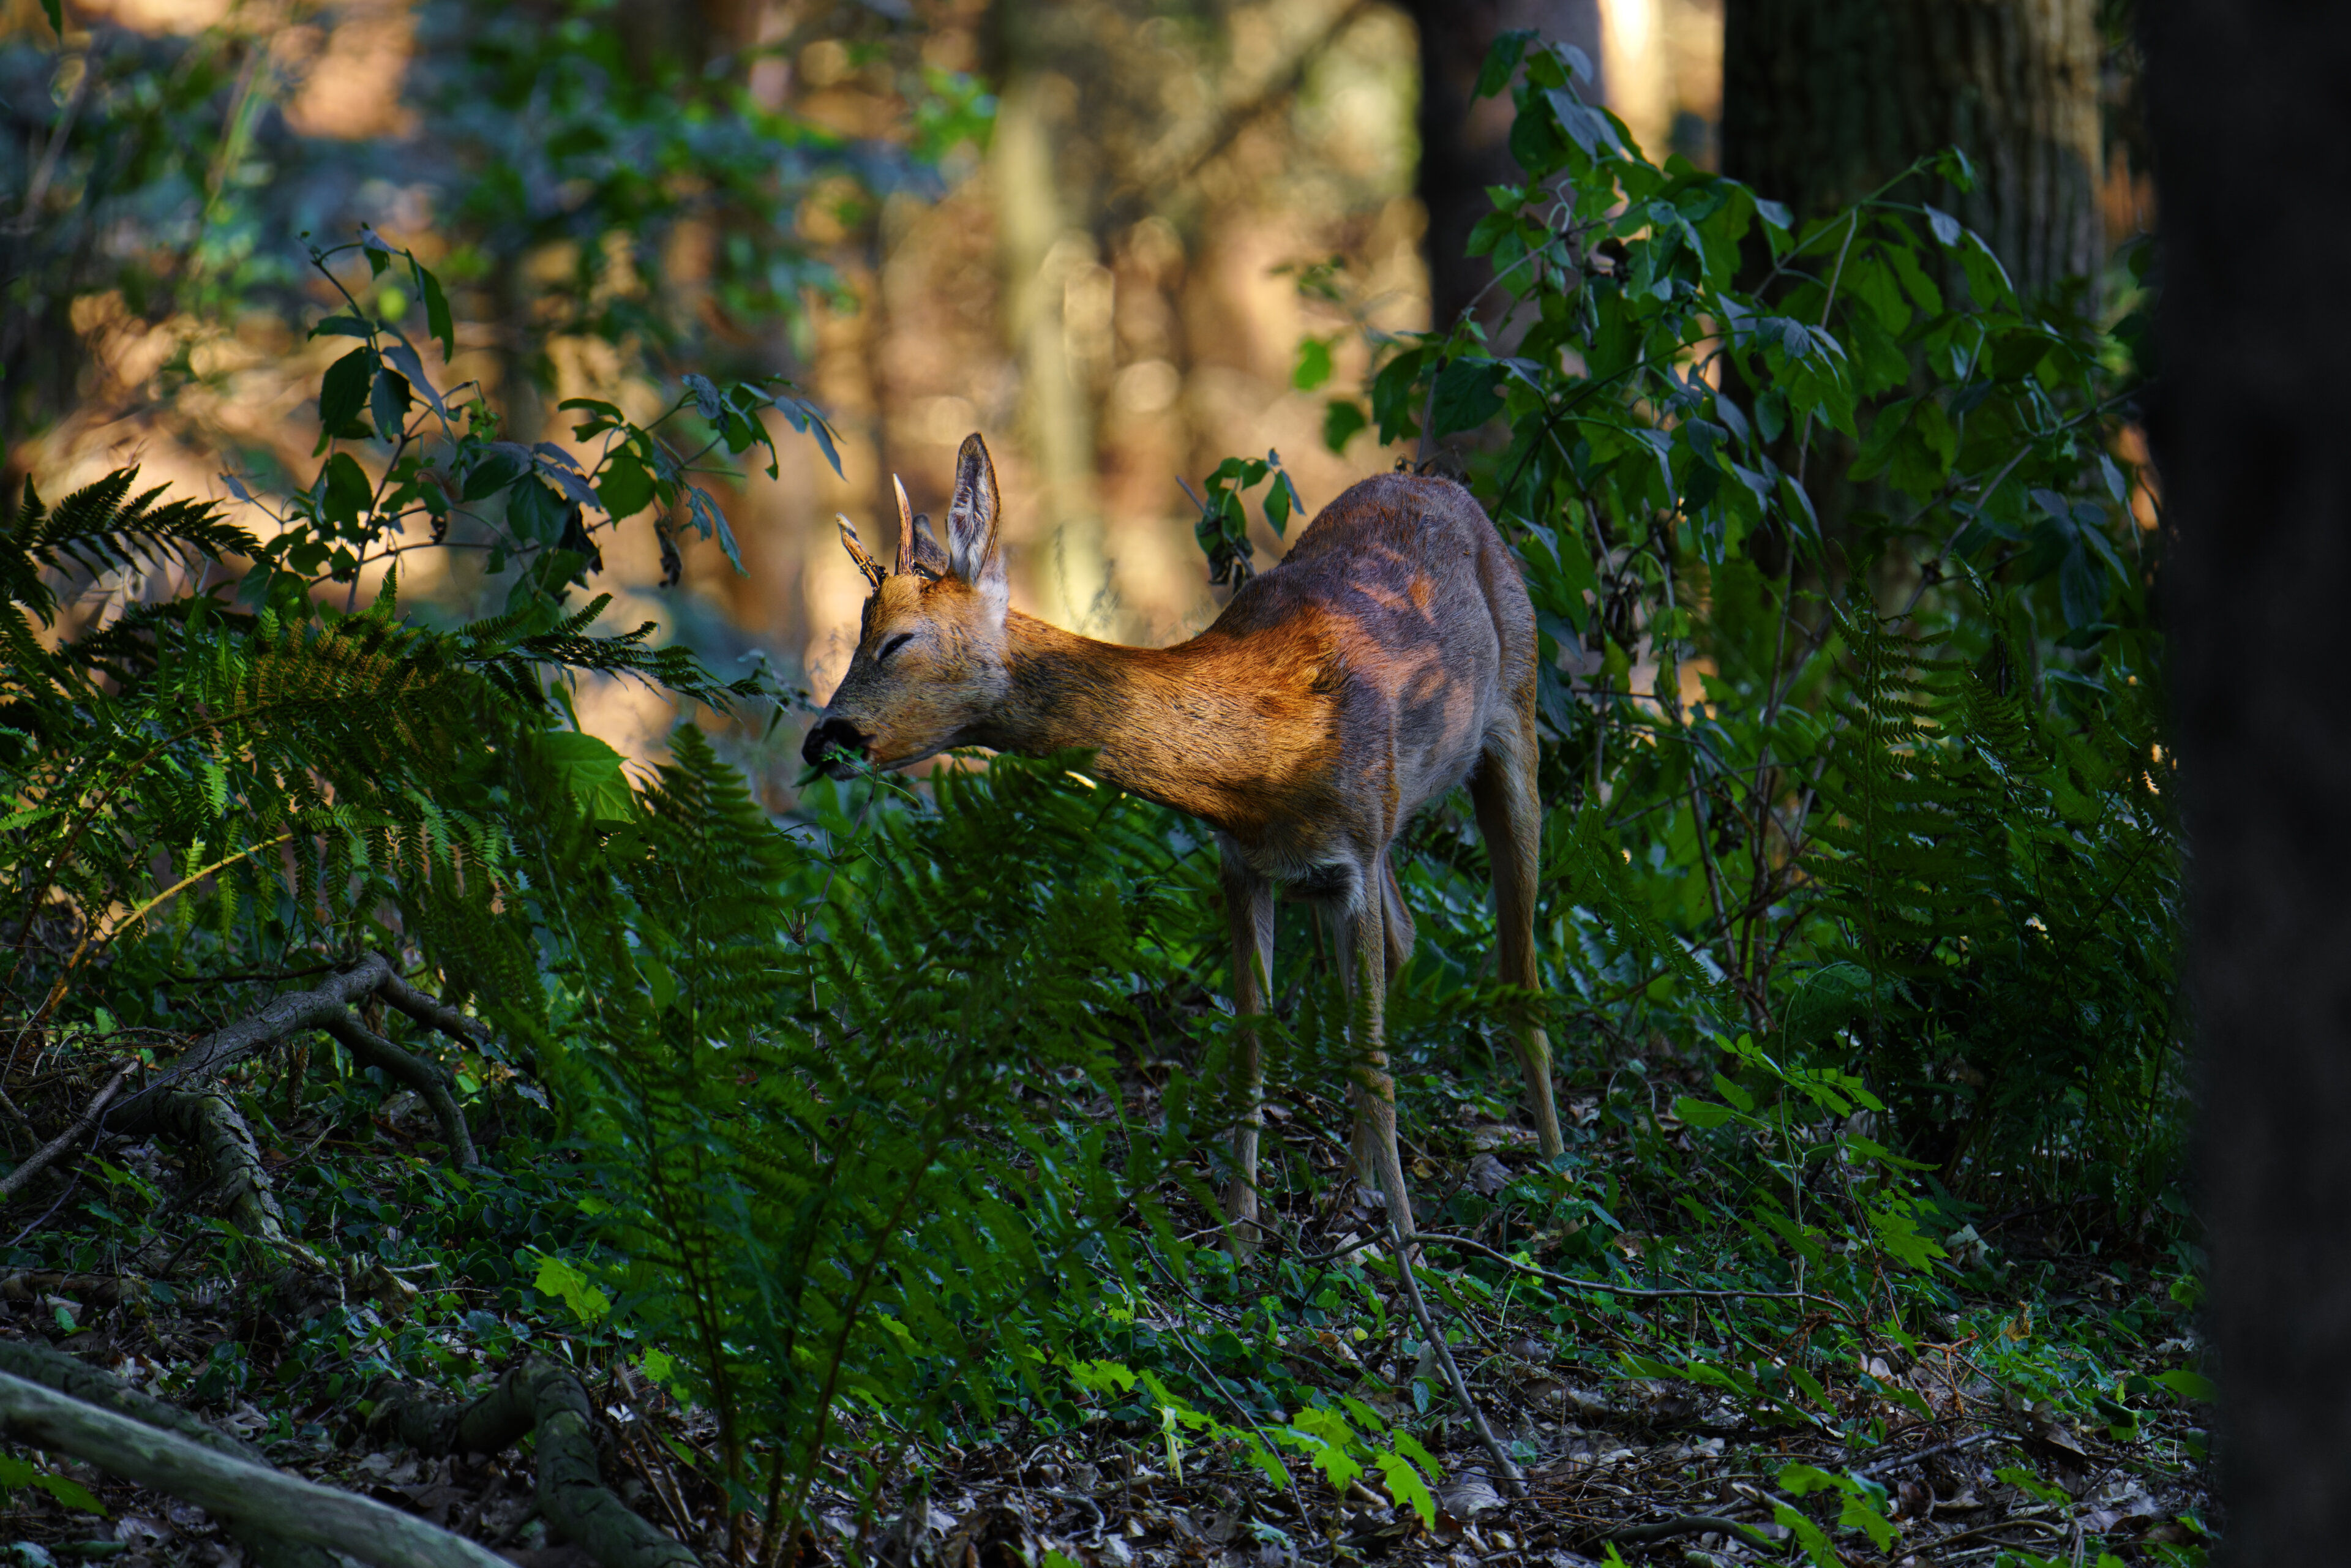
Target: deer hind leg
1249,910
1374,1154
1510,815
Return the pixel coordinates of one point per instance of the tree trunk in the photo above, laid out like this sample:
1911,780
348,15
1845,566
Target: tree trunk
1825,100
1046,242
2253,141
1464,139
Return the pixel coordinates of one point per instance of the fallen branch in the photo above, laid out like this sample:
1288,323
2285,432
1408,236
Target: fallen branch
1691,1524
245,1496
1514,1479
62,1373
545,1397
428,1078
206,1120
432,1012
273,1021
40,1159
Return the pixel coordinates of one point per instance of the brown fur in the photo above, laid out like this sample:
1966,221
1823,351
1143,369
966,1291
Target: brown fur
1389,658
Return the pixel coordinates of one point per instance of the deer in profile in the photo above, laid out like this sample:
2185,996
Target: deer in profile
1389,657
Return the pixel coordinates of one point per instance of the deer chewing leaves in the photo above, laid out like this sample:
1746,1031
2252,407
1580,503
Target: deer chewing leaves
1388,658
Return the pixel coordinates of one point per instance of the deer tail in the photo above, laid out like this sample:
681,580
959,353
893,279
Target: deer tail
1398,921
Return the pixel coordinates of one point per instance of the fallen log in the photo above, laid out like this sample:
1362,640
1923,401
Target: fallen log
545,1397
245,1496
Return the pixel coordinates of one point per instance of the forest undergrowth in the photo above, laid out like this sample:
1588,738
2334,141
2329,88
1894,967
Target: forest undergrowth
406,1098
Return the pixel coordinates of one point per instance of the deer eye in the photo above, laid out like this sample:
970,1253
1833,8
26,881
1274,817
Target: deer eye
893,644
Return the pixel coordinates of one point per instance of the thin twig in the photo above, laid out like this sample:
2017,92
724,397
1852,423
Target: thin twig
1642,1292
1899,1461
40,1159
1513,1479
1305,1519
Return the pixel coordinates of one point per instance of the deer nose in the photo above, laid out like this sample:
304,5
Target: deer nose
827,734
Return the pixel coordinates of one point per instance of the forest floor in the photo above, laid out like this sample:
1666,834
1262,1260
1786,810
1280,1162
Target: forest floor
2039,1416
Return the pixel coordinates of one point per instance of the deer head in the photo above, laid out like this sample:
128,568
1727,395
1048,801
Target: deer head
930,662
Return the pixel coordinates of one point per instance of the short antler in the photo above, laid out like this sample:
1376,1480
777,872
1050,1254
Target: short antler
873,568
905,526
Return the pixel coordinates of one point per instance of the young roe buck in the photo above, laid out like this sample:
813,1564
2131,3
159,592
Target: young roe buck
1390,656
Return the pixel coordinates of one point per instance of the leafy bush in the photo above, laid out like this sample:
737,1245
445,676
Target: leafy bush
1777,491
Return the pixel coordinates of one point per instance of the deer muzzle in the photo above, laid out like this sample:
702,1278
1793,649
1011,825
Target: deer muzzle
828,736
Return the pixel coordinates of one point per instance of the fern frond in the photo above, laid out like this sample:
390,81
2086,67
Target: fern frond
102,526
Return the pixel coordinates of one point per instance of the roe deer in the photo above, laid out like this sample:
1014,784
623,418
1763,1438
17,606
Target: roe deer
1389,657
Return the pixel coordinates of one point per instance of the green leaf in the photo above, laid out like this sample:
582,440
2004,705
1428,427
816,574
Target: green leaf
496,467
1502,59
624,488
2025,1481
438,322
1405,1486
350,493
1314,364
1809,1536
2189,1386
560,1279
1706,1115
388,403
591,772
402,356
1867,1514
1410,1448
1342,418
70,1492
1802,1481
536,513
1468,394
344,390
54,10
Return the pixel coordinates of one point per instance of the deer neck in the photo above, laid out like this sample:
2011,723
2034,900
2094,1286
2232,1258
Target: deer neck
1187,726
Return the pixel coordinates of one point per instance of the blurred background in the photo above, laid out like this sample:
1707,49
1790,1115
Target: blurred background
1123,238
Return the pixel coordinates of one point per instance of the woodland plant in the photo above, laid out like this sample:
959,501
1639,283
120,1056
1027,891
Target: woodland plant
878,1124
1849,660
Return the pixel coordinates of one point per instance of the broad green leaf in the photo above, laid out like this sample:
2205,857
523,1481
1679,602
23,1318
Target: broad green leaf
589,771
344,391
2189,1384
1406,1487
562,1280
1313,363
1468,394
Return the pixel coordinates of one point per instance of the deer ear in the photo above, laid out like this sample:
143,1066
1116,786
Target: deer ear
930,557
974,553
865,563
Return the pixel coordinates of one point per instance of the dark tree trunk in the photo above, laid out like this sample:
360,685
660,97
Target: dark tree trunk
2252,141
1465,141
1824,100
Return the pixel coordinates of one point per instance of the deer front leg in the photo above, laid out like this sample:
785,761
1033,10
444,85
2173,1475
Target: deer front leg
1249,910
1374,1151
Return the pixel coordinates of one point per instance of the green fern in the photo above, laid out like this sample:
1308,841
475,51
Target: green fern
346,777
2004,874
804,1089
